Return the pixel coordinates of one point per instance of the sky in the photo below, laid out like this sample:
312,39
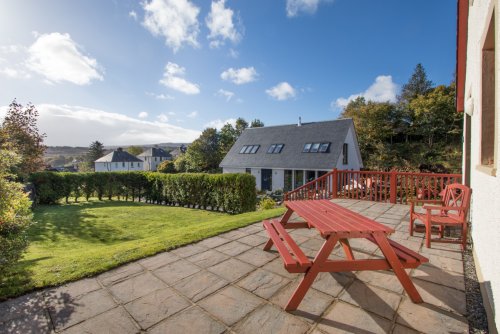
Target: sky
143,72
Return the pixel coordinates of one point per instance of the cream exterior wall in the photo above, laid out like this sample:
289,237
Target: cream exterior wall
353,158
117,166
485,210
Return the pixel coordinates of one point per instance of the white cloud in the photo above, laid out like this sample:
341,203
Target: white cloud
296,7
15,73
233,53
225,94
240,76
173,78
220,23
193,114
160,96
218,123
282,91
133,15
58,58
83,125
175,20
143,114
163,118
171,113
382,90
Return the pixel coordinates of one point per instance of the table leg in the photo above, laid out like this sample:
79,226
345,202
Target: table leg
311,274
397,267
347,249
283,222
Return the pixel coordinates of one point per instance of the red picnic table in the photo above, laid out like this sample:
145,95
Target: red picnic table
337,224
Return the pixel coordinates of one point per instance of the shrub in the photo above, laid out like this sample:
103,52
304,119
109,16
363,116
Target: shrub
167,167
232,193
267,203
15,214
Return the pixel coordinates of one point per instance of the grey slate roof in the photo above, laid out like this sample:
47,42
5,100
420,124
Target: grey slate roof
154,152
294,137
119,156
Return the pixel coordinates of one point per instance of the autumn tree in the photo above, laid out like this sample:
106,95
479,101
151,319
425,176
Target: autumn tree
19,133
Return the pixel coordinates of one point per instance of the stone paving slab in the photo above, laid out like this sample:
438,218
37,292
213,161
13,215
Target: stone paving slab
228,284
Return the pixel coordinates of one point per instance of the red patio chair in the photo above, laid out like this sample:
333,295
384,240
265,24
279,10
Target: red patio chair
452,210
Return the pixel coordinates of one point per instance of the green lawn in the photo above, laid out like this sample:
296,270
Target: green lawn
78,240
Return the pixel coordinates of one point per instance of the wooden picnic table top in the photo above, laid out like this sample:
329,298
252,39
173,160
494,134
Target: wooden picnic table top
330,218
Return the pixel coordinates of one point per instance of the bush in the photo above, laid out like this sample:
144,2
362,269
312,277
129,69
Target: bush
167,167
232,193
15,214
267,203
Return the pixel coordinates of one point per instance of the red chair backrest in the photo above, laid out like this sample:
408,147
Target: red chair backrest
458,195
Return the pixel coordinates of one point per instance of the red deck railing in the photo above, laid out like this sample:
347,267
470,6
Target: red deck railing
391,187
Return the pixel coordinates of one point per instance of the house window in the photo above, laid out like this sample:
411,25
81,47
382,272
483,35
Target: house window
248,170
323,148
116,164
249,149
307,148
131,164
314,148
299,178
275,148
345,160
288,180
123,164
488,135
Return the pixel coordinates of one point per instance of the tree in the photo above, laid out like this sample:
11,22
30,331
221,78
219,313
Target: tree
20,134
417,85
15,213
240,126
203,155
257,123
135,150
167,167
227,138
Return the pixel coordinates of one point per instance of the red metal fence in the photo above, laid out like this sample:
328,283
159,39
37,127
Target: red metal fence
391,187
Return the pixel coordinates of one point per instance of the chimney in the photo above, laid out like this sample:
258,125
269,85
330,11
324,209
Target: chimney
300,121
119,149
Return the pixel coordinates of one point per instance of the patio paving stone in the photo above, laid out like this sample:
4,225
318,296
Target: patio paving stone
446,263
232,269
67,313
429,319
199,285
263,283
382,278
156,306
311,307
399,329
230,304
253,240
136,287
345,318
176,271
269,319
276,266
233,248
208,258
160,260
22,307
113,321
372,299
234,235
188,251
213,242
190,321
257,257
35,322
120,274
442,296
73,290
332,283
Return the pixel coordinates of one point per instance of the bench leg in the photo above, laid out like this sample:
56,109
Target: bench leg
347,249
311,274
398,268
283,222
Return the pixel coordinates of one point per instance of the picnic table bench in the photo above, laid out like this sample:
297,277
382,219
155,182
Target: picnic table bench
337,224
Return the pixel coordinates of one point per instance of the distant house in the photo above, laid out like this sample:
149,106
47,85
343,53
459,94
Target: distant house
287,156
152,157
118,160
478,95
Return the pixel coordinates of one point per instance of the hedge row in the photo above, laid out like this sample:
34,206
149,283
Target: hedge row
232,193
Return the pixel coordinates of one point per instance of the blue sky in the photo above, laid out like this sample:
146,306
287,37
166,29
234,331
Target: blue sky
129,72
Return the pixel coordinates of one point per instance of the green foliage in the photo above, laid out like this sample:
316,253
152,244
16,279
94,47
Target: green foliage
15,214
256,123
417,85
19,133
203,155
167,167
96,150
135,150
267,203
232,193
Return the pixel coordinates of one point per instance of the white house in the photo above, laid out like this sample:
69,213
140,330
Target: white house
118,160
287,156
478,94
152,157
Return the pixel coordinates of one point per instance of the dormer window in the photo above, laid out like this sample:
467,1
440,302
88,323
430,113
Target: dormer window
249,149
275,148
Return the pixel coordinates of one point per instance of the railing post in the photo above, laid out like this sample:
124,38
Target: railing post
334,183
394,186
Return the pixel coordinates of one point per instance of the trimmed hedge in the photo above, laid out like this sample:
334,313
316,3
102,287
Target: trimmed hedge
232,193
